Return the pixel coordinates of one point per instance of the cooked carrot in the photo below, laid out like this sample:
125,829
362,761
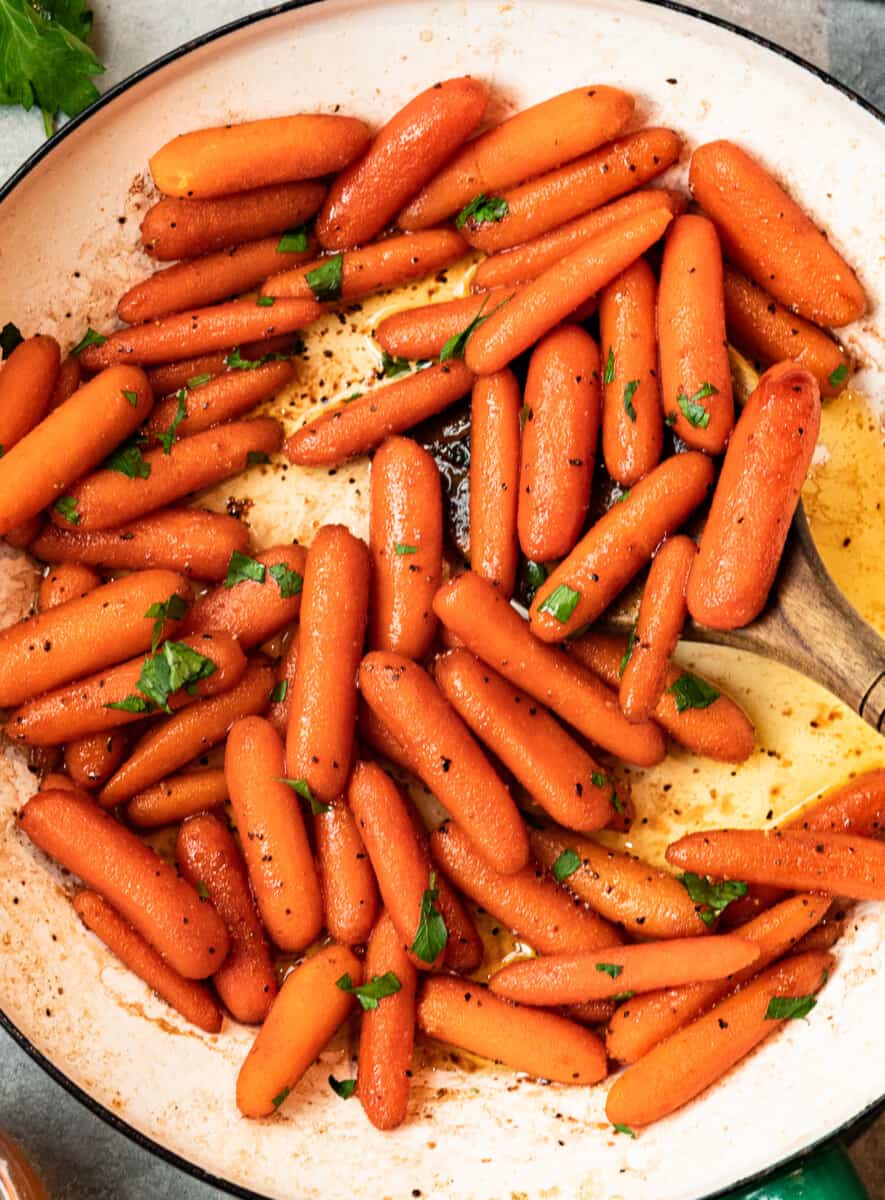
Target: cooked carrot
253,154
172,376
57,781
322,710
541,304
350,893
768,236
287,668
223,398
361,424
70,581
403,156
770,333
625,890
178,797
620,543
186,228
143,888
254,611
67,381
273,835
687,1063
464,950
488,626
642,1021
21,536
591,1012
27,383
825,935
856,807
494,478
387,1031
91,761
208,858
109,497
193,541
374,733
758,489
662,613
540,1043
83,635
529,143
192,1000
526,262
405,544
176,741
632,429
550,200
554,769
562,403
70,441
422,332
445,756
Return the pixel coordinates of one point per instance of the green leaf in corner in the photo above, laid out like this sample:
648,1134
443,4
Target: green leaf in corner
789,1008
694,412
628,653
482,210
129,461
10,337
342,1087
561,603
173,609
175,666
257,458
629,393
169,437
325,280
302,787
278,1099
372,993
89,338
689,691
293,241
609,373
241,569
288,581
431,935
67,506
566,864
713,898
838,376
132,397
278,695
624,1129
613,970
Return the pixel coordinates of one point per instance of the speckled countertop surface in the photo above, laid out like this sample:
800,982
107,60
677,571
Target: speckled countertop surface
79,1156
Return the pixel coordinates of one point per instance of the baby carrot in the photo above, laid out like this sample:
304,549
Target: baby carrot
22,535
350,893
374,733
768,236
387,1031
562,402
755,498
405,544
143,888
620,543
27,383
309,1008
223,398
540,1043
177,797
57,781
209,860
322,709
494,478
172,376
464,950
591,1012
192,1000
287,668
250,608
69,581
91,761
417,333
67,381
856,807
632,429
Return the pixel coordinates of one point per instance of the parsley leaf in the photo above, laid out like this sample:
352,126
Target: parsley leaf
278,1100
617,803
302,787
457,343
561,603
789,1008
288,581
611,969
691,692
566,864
431,935
67,506
325,280
266,301
692,409
524,414
133,704
202,890
293,241
132,397
257,458
670,419
10,337
483,210
838,376
129,461
628,653
535,573
714,897
172,609
278,695
241,568
609,374
402,548
391,367
342,1087
624,1129
173,667
629,393
234,361
598,779
371,993
169,437
196,381
623,997
89,338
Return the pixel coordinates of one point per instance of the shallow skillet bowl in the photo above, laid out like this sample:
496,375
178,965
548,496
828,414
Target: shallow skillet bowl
64,256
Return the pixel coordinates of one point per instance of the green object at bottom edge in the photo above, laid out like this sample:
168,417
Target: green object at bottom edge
825,1174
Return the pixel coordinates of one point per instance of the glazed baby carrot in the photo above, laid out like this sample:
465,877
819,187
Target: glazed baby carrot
360,425
91,761
259,597
143,888
350,893
417,333
358,273
309,1008
562,403
22,535
445,756
172,376
632,429
856,807
67,381
472,609
176,741
72,440
287,667
540,1043
544,203
406,153
209,860
69,581
322,709
529,143
273,835
185,228
193,541
494,478
619,545
541,304
57,781
405,544
110,497
192,1000
253,154
591,1012
464,950
695,372
374,733
178,797
526,262
694,713
687,1063
770,333
387,1031
553,768
758,489
662,614
83,635
626,891
529,902
768,236
223,398
27,383
643,1021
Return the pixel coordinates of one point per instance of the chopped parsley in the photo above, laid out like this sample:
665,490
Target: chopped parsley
691,692
402,548
174,667
202,890
293,241
169,437
623,997
10,338
789,1008
342,1087
129,461
288,581
302,787
534,575
624,1129
172,609
278,695
370,994
278,1100
196,381
67,506
431,935
241,568
838,376
325,280
629,393
457,343
391,367
566,864
132,397
714,898
257,458
692,409
561,603
483,210
611,969
266,301
628,653
609,373
89,338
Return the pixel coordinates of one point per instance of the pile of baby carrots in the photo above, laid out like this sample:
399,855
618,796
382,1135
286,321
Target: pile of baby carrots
160,636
